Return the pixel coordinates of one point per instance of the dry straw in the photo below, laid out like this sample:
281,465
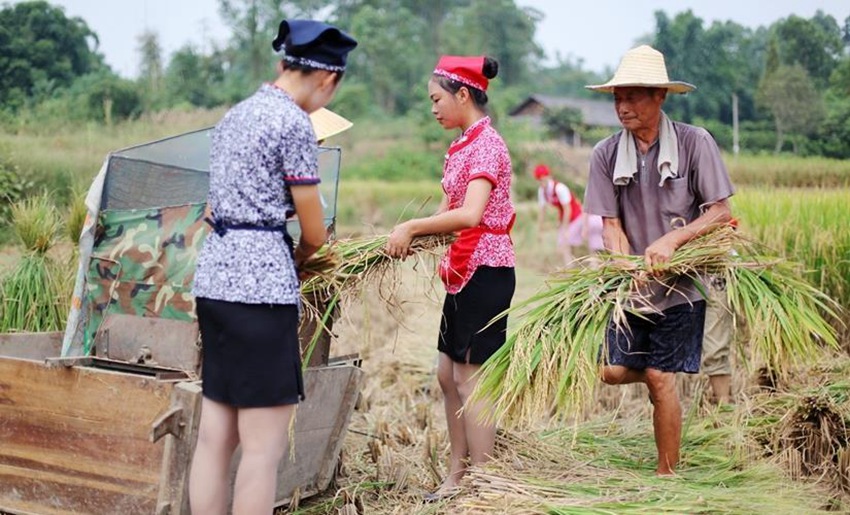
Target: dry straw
339,269
550,361
603,469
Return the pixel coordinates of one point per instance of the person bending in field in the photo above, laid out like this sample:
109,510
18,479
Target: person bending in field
478,268
657,184
575,226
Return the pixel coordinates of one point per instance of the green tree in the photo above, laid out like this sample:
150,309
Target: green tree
151,69
839,81
566,77
815,44
42,50
790,95
833,138
563,122
395,74
197,79
722,60
254,24
432,12
500,29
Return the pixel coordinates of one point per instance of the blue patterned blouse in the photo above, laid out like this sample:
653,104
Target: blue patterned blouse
261,147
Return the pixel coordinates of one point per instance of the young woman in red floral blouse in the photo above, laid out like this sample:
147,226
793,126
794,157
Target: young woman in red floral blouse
478,268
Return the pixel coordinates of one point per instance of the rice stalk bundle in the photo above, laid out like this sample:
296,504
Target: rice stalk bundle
551,359
340,268
76,217
806,427
349,262
32,296
36,222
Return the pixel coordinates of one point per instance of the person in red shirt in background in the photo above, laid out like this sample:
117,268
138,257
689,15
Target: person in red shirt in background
575,226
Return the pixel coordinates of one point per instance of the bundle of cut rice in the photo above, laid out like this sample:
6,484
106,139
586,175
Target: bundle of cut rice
340,268
551,357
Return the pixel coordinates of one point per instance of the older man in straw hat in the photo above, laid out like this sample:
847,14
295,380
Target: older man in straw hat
657,184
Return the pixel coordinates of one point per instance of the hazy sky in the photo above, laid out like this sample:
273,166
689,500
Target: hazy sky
597,31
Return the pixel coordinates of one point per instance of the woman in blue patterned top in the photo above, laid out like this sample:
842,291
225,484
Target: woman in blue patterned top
263,170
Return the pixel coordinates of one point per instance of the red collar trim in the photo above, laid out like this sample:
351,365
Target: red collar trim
469,135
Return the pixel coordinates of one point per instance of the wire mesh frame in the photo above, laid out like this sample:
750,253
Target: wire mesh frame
175,171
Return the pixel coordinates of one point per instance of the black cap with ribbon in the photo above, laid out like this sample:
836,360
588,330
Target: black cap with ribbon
313,44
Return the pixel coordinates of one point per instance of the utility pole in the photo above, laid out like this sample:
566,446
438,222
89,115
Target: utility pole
736,147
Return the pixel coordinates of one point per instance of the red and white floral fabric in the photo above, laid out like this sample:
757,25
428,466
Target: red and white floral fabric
480,152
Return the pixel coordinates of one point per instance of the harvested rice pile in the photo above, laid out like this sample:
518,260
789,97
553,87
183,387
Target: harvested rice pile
341,271
550,362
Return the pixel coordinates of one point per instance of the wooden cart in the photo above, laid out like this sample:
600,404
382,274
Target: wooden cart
104,420
114,432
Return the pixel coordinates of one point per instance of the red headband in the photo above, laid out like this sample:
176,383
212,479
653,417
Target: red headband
541,171
469,71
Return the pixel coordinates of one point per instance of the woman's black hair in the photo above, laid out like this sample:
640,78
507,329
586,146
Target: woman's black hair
490,70
306,70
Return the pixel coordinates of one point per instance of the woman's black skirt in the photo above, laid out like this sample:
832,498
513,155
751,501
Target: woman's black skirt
488,293
251,354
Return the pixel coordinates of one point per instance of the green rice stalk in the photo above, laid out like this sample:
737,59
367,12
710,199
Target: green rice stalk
550,360
36,222
603,469
76,217
32,297
341,268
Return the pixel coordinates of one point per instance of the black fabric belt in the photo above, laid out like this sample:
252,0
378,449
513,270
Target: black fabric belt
221,228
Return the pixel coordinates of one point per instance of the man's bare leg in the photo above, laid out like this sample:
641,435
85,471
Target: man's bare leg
721,388
666,419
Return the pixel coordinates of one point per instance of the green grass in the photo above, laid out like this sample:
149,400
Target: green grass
788,171
367,206
811,226
607,467
66,158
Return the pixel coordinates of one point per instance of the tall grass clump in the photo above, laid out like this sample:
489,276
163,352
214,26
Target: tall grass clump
811,226
33,294
551,357
75,217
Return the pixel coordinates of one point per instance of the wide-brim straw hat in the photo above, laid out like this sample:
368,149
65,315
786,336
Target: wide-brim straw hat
643,66
327,123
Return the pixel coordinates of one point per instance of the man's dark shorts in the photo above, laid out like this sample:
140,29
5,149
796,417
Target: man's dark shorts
670,341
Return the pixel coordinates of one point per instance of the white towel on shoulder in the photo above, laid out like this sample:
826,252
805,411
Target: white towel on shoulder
625,166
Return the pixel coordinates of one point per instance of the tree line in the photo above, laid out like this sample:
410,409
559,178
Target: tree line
790,81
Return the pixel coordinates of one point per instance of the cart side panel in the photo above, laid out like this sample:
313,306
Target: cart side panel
320,425
35,346
76,440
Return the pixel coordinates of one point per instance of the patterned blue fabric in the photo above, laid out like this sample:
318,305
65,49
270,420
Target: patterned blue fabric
261,147
670,341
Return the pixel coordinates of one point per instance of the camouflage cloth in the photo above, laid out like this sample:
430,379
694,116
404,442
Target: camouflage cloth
143,263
